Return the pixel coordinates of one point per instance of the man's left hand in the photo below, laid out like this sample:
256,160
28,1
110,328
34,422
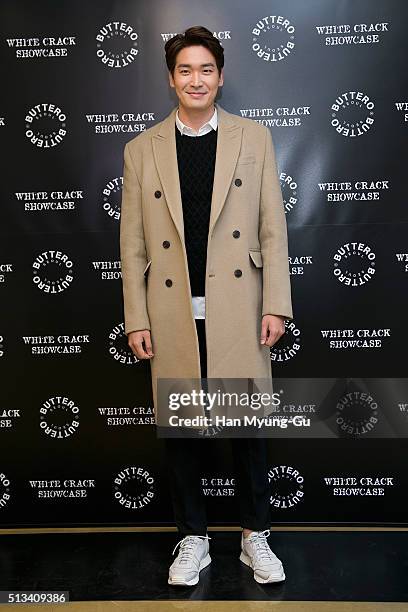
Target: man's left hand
273,328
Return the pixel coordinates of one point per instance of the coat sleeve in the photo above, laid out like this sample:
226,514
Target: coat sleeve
273,239
133,249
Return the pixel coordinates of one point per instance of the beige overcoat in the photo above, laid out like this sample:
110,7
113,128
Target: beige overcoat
247,272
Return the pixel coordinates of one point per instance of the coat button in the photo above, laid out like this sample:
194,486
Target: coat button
166,244
238,273
236,233
157,194
238,182
169,282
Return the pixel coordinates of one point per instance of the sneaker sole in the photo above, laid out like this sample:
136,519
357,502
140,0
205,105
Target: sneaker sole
180,582
245,559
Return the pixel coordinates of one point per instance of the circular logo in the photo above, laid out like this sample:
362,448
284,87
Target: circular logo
286,486
116,44
52,272
354,264
289,189
133,487
112,197
45,125
4,490
352,114
288,345
356,414
59,417
273,38
119,348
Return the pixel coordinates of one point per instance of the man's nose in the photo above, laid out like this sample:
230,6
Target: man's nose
196,79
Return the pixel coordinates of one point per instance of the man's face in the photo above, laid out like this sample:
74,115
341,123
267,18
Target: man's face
196,78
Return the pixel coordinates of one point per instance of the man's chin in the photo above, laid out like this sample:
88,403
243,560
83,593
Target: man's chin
196,103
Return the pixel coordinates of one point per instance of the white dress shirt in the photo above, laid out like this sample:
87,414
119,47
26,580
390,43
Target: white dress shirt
198,301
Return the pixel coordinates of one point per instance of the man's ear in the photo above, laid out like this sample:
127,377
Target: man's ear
171,81
221,81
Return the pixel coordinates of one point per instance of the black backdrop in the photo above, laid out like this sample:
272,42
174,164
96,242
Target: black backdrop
77,442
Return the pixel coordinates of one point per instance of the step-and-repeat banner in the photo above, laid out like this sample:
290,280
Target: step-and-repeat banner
78,445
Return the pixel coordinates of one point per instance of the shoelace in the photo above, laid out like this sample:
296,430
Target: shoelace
186,544
261,545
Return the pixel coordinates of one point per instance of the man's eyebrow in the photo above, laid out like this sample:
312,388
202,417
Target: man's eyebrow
189,65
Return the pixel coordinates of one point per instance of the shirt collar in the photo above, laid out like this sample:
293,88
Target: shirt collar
212,124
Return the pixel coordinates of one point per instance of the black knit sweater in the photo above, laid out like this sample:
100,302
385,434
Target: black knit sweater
196,163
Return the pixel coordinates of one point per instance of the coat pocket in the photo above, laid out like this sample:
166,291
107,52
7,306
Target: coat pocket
256,256
146,270
246,159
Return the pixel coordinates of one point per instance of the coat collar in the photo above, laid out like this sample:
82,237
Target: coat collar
206,127
165,155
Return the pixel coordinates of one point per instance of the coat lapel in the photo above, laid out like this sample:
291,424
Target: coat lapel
165,154
228,148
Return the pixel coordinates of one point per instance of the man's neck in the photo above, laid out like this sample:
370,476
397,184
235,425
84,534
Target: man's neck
195,119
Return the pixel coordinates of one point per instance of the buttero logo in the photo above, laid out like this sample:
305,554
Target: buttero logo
289,344
4,490
354,264
356,414
117,44
52,272
286,486
133,487
119,348
112,197
273,38
45,125
59,417
289,188
352,114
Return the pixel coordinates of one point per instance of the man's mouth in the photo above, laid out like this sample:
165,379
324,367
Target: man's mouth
196,94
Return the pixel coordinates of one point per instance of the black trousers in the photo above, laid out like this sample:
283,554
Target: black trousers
185,458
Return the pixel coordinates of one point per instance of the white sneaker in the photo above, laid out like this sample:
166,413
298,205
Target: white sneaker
255,553
192,557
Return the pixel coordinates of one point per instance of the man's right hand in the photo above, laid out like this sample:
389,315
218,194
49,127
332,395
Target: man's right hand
139,341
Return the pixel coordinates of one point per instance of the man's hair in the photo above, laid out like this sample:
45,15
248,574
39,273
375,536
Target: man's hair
196,35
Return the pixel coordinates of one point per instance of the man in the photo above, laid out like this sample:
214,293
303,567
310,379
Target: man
206,279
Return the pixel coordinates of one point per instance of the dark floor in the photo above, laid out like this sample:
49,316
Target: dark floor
320,566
